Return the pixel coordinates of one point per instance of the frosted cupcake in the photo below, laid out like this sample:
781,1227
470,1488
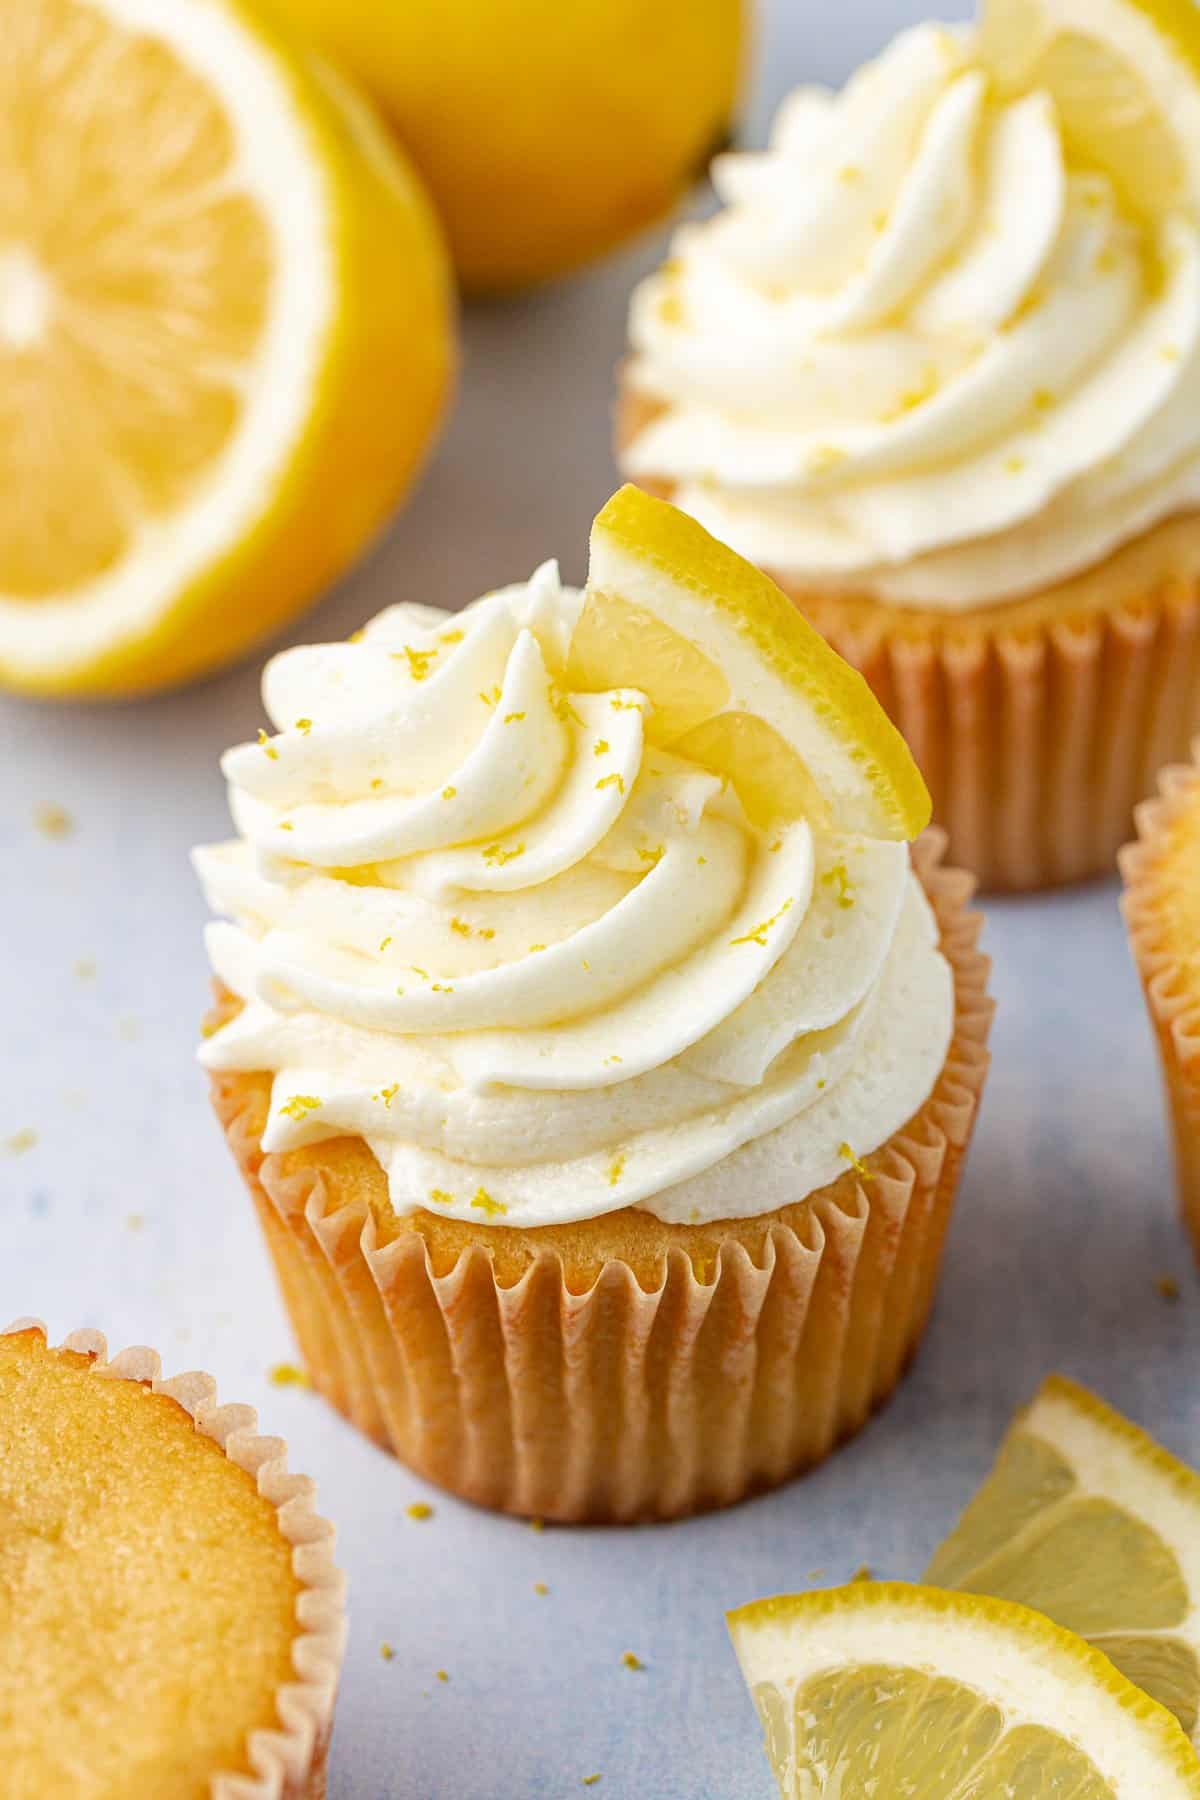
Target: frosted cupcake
1162,914
600,1064
936,367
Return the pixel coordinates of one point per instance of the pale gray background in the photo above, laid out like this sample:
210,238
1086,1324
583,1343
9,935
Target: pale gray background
1065,1220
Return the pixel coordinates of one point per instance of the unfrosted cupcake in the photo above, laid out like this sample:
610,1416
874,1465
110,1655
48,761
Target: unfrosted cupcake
599,1064
1162,914
936,367
171,1621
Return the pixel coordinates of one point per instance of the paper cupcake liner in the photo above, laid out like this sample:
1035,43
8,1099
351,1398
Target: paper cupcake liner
649,1385
1168,980
1038,725
287,1763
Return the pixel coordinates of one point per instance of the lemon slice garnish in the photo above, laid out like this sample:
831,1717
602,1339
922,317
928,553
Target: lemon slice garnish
888,1690
225,337
1125,79
738,681
1089,1520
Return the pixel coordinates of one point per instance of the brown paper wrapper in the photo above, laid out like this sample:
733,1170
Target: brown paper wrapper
1037,724
1166,963
288,1763
622,1368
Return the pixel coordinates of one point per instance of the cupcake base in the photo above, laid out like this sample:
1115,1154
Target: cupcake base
1162,913
1038,724
623,1368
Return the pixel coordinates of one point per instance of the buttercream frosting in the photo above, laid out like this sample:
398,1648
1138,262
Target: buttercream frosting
920,353
543,968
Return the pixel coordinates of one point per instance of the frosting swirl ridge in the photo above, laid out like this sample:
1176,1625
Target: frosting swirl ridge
543,967
921,353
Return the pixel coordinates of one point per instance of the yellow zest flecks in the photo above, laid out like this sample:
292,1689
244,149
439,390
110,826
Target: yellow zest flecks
619,705
21,1141
652,857
700,861
561,706
440,1197
300,1105
1170,353
838,877
304,725
442,1675
286,825
856,1162
418,661
422,974
386,1095
850,173
513,718
1043,399
616,1169
461,927
448,793
534,948
630,1661
383,944
539,1587
418,1509
441,987
498,854
484,1203
589,1780
600,747
1013,465
386,1651
758,933
356,637
490,699
450,637
286,1374
613,780
879,221
611,1061
913,397
671,309
267,746
376,784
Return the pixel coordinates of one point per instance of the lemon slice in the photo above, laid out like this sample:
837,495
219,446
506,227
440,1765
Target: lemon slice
881,1689
225,337
1087,1519
1125,78
739,682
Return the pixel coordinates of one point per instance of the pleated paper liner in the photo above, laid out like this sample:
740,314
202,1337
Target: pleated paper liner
621,1368
1161,870
1040,723
287,1763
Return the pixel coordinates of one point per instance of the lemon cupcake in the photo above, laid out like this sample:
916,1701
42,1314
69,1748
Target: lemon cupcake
936,366
599,1065
171,1621
1162,913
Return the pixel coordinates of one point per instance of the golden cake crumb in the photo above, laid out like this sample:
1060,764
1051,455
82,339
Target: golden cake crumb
442,1675
419,1509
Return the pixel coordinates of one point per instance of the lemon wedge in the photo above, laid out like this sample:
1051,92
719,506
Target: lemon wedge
882,1689
1125,78
225,337
1087,1519
738,681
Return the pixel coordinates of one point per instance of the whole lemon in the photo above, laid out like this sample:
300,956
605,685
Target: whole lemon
548,130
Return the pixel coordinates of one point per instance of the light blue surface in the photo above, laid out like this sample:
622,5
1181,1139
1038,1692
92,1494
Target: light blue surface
1065,1220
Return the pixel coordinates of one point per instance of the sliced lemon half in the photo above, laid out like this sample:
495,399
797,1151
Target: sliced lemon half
894,1691
1086,1518
225,337
739,682
1125,78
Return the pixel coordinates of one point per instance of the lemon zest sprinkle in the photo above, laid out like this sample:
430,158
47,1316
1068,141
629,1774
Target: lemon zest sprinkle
383,944
387,1094
653,857
450,637
839,876
600,747
496,853
856,1162
299,1105
418,661
534,948
386,1651
448,793
418,1509
614,780
758,933
492,699
484,1203
286,825
616,1169
304,725
440,1197
513,717
619,705
441,987
267,746
286,1374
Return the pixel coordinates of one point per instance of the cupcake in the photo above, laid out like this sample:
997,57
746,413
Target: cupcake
171,1621
1162,913
600,1062
936,366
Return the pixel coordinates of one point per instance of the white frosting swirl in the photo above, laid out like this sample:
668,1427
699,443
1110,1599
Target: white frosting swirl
543,968
920,354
